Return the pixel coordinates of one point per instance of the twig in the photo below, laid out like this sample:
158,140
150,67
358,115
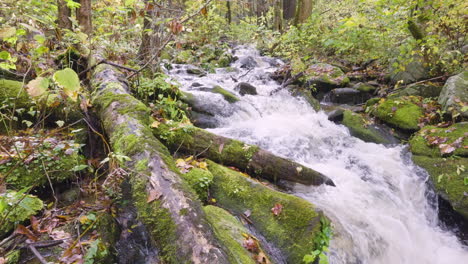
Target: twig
37,254
45,244
50,183
246,73
423,81
205,150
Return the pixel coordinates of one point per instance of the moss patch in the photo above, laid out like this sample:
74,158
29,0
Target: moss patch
15,208
293,230
13,92
359,128
200,181
448,183
402,113
420,142
229,232
228,96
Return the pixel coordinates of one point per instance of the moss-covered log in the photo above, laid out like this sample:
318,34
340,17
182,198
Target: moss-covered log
231,152
165,204
295,227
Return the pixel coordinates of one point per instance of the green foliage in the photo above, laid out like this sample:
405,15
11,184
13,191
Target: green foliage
322,241
200,180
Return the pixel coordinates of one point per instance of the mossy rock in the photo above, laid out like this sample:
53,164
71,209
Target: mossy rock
325,77
228,96
402,113
293,231
306,94
55,161
224,60
16,208
229,231
200,181
12,92
372,101
360,127
185,57
454,94
364,87
419,145
426,90
447,182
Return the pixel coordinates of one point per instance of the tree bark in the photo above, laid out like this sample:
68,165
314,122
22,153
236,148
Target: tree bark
278,23
164,203
289,9
84,16
303,11
228,12
230,152
64,14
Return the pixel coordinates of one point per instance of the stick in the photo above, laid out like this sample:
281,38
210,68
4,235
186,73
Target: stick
37,254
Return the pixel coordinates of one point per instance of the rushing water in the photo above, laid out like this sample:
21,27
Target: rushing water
381,208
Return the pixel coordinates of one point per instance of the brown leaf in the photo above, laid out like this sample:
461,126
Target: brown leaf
21,229
153,195
446,148
250,244
247,213
261,258
277,209
221,147
34,224
204,11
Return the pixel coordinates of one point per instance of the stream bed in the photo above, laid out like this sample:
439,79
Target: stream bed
382,210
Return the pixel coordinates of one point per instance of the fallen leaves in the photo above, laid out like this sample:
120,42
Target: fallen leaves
186,164
277,209
252,244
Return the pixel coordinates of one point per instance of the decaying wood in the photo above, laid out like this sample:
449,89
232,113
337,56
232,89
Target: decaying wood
164,203
249,158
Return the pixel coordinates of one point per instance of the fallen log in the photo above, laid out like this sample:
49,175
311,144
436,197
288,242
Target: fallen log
249,158
164,203
288,222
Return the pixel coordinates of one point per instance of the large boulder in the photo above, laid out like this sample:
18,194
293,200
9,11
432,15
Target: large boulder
248,62
413,72
297,91
228,96
426,90
348,96
442,152
362,128
324,77
455,94
244,88
402,113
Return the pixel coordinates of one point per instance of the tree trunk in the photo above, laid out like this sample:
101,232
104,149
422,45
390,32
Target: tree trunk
278,23
64,14
84,16
165,204
289,9
230,152
303,11
228,12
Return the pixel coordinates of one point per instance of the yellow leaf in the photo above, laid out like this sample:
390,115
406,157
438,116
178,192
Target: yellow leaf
155,124
189,159
202,165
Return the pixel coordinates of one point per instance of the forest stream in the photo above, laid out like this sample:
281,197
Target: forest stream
382,209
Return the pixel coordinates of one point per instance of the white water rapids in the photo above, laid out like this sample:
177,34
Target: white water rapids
381,208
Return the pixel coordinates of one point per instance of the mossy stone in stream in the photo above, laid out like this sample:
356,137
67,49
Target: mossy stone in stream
448,179
420,142
185,57
15,208
293,230
229,231
360,128
402,113
228,96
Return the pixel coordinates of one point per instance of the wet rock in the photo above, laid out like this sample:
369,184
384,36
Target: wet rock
348,96
306,94
248,63
324,77
196,71
228,96
362,128
364,87
424,90
196,84
454,94
245,88
335,115
203,120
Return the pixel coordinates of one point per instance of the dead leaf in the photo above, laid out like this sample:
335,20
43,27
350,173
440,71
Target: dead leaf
155,124
250,244
277,209
247,213
261,258
21,229
204,11
446,148
34,224
220,150
153,195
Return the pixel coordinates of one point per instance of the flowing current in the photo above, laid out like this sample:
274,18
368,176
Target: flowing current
381,209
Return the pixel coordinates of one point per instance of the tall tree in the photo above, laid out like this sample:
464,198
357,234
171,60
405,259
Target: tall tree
83,15
64,14
289,9
303,11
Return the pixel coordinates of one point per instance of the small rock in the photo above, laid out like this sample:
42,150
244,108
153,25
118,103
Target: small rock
248,62
348,96
324,77
364,87
245,88
196,71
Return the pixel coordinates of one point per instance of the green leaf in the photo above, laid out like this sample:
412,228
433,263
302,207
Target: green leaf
60,123
68,80
79,167
37,87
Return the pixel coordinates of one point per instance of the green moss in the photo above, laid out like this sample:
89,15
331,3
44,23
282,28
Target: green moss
16,208
401,113
293,230
372,102
13,257
229,231
359,128
419,144
13,92
228,96
448,183
200,181
185,57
